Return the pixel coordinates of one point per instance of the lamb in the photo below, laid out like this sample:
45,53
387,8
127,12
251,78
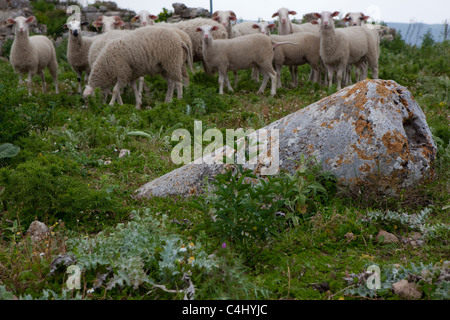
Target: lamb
145,51
108,23
145,18
307,51
255,50
190,26
32,54
78,50
342,47
225,18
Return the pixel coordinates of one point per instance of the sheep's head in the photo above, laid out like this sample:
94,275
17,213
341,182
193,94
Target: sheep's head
224,17
325,18
145,18
21,23
355,19
207,31
283,15
264,27
74,27
88,91
108,23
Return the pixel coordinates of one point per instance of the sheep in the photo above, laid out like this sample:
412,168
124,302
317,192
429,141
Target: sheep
341,47
78,50
254,50
145,51
32,54
285,25
225,18
108,23
355,19
145,18
307,51
189,27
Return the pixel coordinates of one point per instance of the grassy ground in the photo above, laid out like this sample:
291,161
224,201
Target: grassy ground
68,174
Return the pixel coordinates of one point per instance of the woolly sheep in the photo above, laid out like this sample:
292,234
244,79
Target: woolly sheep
244,28
355,19
108,23
145,51
342,47
307,51
225,18
31,55
145,18
285,25
78,50
255,50
190,26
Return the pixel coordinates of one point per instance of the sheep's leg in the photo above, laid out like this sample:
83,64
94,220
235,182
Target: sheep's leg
330,71
236,79
179,90
116,95
273,77
80,89
227,81
221,80
255,74
42,75
340,72
264,83
278,71
137,94
185,76
30,83
294,76
141,85
170,89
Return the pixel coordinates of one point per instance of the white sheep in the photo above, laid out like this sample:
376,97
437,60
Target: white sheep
31,55
78,50
355,19
145,18
307,50
225,18
108,23
254,50
285,25
345,46
189,27
145,51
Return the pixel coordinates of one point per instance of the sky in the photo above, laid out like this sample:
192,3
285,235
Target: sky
406,11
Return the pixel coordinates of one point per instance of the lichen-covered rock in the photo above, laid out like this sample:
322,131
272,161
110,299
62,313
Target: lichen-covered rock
37,231
372,133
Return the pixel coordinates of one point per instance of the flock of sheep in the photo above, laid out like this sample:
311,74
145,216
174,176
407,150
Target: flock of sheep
117,58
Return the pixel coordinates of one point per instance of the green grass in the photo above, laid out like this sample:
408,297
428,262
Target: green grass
68,174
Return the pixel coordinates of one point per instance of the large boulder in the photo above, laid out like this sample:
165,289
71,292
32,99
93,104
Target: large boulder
372,133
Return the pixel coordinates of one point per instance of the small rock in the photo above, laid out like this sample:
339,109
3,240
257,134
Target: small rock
37,231
407,290
123,153
385,237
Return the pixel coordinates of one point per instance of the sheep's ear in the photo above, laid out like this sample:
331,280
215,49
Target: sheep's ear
317,15
365,18
135,18
198,29
97,24
275,15
215,16
271,26
314,22
119,22
233,16
11,21
334,14
86,23
215,28
30,19
346,19
153,17
255,26
65,27
292,13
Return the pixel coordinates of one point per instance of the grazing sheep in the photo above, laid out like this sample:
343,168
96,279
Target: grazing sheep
254,50
31,55
342,47
225,18
108,23
78,51
190,26
145,18
145,51
307,51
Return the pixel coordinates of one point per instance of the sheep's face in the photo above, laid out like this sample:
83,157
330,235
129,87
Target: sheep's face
21,23
108,23
88,91
207,30
283,15
145,18
326,19
75,27
264,27
224,17
355,19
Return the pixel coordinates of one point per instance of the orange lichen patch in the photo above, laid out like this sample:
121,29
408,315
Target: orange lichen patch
362,154
295,130
365,168
396,143
364,129
310,147
427,153
358,94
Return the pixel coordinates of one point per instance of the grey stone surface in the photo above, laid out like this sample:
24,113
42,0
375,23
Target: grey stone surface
406,290
385,237
37,231
371,133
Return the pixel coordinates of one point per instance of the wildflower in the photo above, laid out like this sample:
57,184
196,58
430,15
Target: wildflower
18,233
224,245
191,260
86,236
183,248
191,245
90,291
53,233
341,298
255,228
41,254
